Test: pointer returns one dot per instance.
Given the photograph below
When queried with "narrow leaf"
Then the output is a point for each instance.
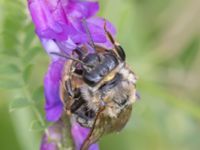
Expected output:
(10, 69)
(31, 53)
(19, 103)
(37, 126)
(27, 72)
(189, 54)
(29, 35)
(38, 94)
(10, 84)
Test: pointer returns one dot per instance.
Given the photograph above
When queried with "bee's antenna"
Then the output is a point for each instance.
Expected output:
(108, 33)
(118, 49)
(68, 57)
(88, 33)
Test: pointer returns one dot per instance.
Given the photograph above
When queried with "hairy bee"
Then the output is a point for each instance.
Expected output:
(98, 90)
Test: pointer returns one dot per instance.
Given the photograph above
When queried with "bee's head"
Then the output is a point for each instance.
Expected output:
(96, 66)
(101, 65)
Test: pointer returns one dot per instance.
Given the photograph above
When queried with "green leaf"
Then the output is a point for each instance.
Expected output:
(38, 94)
(31, 53)
(157, 91)
(27, 72)
(189, 54)
(19, 103)
(37, 126)
(29, 37)
(10, 69)
(10, 84)
(12, 27)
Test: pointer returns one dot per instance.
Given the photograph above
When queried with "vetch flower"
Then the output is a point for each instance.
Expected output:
(79, 135)
(54, 19)
(61, 27)
(53, 137)
(52, 79)
(62, 19)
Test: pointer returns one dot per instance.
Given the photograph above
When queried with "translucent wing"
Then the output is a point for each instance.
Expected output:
(105, 124)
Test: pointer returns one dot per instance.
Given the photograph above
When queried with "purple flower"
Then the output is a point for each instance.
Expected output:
(52, 138)
(62, 19)
(79, 135)
(61, 27)
(56, 19)
(52, 79)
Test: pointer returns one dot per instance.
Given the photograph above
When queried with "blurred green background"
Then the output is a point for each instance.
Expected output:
(162, 42)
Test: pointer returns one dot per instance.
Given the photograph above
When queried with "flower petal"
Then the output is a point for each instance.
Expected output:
(57, 47)
(77, 9)
(80, 134)
(44, 20)
(100, 22)
(54, 136)
(53, 18)
(51, 139)
(50, 46)
(53, 105)
(96, 26)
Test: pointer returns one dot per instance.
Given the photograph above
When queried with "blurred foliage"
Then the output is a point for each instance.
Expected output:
(162, 42)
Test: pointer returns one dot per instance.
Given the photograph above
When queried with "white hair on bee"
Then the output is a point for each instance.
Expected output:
(92, 101)
(128, 75)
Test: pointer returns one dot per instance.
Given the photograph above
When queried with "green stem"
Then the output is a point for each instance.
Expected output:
(67, 140)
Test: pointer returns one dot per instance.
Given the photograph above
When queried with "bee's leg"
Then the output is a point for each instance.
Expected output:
(69, 88)
(89, 113)
(78, 72)
(119, 50)
(68, 96)
(81, 115)
(79, 52)
(76, 105)
(85, 113)
(78, 101)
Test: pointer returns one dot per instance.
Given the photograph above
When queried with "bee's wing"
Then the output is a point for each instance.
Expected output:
(105, 124)
(97, 130)
(119, 122)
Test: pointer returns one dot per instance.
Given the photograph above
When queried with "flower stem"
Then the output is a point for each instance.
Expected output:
(67, 140)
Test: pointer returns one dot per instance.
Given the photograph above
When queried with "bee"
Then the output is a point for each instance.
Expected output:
(98, 89)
